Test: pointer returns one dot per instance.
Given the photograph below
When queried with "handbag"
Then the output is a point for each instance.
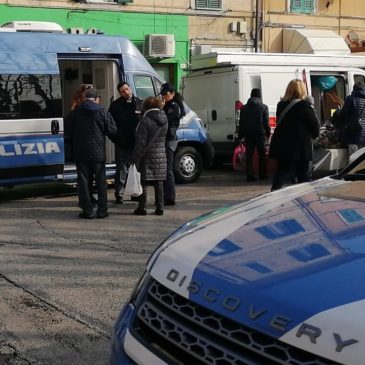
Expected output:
(133, 186)
(239, 157)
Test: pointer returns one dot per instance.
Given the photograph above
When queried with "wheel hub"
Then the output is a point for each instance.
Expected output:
(187, 165)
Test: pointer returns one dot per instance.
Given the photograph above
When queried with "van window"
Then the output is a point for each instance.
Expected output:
(30, 96)
(359, 78)
(144, 86)
(329, 93)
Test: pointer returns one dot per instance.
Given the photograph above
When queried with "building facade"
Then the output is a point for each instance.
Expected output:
(196, 26)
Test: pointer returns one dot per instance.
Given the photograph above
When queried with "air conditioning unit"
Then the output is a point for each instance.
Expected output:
(159, 45)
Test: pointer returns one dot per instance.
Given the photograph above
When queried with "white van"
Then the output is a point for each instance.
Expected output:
(220, 83)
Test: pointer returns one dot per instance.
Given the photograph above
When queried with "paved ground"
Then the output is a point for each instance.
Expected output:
(63, 280)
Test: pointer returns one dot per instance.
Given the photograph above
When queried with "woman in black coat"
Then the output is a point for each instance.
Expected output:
(149, 154)
(291, 143)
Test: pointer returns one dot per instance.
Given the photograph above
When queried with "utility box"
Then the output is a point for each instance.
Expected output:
(242, 27)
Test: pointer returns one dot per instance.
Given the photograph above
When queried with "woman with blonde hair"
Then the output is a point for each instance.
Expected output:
(291, 143)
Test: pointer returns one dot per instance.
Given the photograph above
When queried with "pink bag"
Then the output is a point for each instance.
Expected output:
(239, 158)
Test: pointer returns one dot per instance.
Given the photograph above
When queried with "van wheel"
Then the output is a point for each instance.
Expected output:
(187, 165)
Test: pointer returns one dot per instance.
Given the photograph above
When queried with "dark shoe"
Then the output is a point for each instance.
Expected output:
(140, 211)
(251, 179)
(86, 215)
(118, 200)
(169, 202)
(102, 215)
(159, 211)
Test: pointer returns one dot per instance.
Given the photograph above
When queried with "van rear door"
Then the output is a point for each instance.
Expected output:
(31, 124)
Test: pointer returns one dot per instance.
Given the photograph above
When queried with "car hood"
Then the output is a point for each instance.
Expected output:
(289, 264)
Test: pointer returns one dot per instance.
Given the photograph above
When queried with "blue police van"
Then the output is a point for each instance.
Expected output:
(40, 73)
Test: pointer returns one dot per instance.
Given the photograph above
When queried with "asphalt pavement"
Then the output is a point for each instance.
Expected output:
(63, 279)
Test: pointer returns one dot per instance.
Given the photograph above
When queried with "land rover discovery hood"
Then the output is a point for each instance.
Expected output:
(290, 264)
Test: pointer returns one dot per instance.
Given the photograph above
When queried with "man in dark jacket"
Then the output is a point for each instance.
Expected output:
(90, 123)
(126, 112)
(351, 116)
(254, 128)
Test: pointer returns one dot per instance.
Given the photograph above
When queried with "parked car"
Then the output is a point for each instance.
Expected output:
(278, 279)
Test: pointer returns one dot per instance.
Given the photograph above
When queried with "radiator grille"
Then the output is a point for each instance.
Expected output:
(183, 332)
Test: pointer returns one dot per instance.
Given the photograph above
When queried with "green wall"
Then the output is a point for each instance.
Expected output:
(132, 25)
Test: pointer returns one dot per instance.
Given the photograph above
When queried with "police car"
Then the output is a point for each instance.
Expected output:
(278, 279)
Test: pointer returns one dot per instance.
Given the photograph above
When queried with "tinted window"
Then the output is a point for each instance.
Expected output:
(30, 96)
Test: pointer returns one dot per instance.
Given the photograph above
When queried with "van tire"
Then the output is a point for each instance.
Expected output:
(187, 165)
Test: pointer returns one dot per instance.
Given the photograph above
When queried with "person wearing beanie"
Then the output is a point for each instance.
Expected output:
(255, 130)
(90, 123)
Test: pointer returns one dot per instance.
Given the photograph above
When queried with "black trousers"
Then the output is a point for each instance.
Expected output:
(158, 186)
(252, 143)
(86, 173)
(169, 183)
(286, 169)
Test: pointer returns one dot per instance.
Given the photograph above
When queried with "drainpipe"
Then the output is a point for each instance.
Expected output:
(257, 26)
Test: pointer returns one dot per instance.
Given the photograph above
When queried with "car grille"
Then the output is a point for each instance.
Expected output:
(182, 332)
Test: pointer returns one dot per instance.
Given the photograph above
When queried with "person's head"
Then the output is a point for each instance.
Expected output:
(295, 90)
(151, 102)
(256, 93)
(124, 90)
(79, 96)
(92, 95)
(167, 91)
(358, 86)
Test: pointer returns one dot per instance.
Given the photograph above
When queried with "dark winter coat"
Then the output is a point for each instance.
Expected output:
(353, 111)
(89, 124)
(254, 119)
(126, 114)
(292, 138)
(151, 163)
(174, 114)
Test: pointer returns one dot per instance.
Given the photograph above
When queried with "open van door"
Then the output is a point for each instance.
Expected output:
(31, 124)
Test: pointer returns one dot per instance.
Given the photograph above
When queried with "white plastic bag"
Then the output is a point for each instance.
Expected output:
(133, 186)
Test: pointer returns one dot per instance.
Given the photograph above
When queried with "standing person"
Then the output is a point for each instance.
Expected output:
(291, 142)
(254, 128)
(174, 109)
(90, 123)
(126, 112)
(149, 153)
(352, 119)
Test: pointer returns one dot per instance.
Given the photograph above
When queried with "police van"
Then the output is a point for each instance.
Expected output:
(219, 83)
(40, 73)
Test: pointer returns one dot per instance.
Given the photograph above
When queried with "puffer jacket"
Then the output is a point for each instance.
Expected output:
(151, 162)
(89, 124)
(352, 111)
